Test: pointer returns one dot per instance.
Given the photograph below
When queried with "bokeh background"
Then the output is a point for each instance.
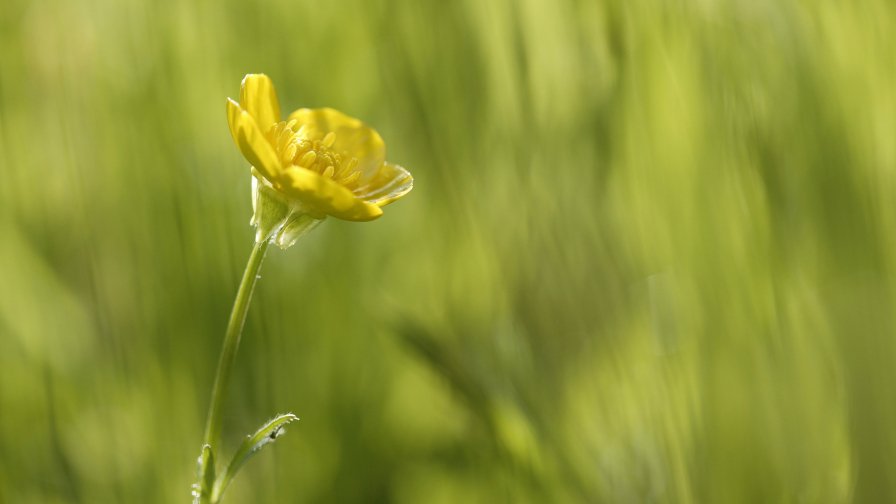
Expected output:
(650, 255)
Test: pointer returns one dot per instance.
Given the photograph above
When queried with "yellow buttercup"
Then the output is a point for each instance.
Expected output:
(320, 162)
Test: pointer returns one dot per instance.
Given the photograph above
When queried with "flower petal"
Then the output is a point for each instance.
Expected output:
(252, 143)
(352, 136)
(259, 98)
(233, 118)
(326, 196)
(387, 185)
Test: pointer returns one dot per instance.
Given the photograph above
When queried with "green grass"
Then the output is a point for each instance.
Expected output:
(650, 255)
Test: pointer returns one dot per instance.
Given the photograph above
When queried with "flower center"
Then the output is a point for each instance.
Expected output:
(295, 148)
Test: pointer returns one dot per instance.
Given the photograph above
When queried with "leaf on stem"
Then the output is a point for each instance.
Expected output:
(268, 433)
(202, 489)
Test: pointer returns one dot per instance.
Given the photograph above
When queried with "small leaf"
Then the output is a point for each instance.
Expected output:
(202, 489)
(268, 433)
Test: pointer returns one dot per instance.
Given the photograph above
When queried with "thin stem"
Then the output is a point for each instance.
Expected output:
(231, 344)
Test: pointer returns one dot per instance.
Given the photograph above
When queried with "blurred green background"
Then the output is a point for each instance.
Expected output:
(650, 256)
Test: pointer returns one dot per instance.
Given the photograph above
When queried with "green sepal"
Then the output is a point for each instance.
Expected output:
(270, 211)
(277, 218)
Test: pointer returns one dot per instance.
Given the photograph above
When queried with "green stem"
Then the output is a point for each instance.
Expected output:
(231, 344)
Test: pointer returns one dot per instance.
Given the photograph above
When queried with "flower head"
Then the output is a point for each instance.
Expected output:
(318, 162)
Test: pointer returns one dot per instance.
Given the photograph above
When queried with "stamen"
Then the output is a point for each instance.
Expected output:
(308, 159)
(290, 153)
(283, 135)
(353, 177)
(349, 167)
(295, 147)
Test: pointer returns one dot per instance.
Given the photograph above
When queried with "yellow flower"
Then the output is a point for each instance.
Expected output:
(319, 162)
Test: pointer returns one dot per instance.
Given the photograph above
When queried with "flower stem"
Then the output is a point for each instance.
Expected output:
(231, 344)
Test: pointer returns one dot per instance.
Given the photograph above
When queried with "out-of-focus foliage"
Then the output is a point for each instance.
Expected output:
(650, 256)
